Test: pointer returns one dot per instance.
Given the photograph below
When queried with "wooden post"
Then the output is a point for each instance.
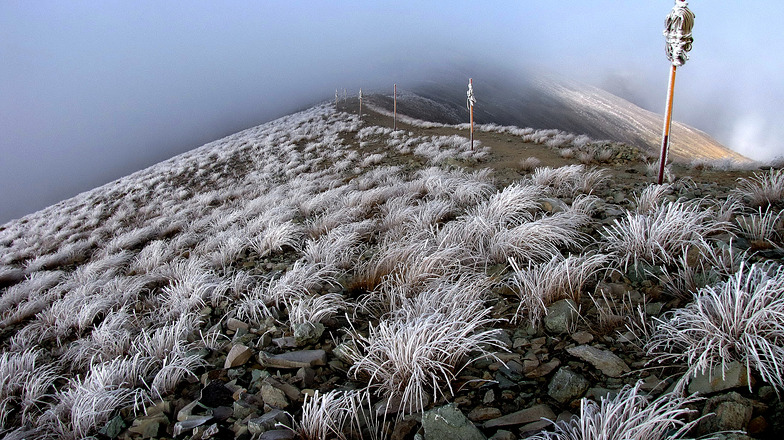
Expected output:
(471, 83)
(667, 125)
(394, 124)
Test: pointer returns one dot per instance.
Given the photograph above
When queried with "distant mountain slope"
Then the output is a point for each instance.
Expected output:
(544, 103)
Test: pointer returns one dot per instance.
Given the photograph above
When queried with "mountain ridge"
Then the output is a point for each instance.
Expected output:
(542, 102)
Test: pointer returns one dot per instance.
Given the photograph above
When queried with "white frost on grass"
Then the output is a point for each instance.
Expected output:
(740, 319)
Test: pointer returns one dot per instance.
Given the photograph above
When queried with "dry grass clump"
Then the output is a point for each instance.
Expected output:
(629, 415)
(661, 235)
(338, 414)
(651, 197)
(699, 268)
(762, 189)
(528, 164)
(570, 180)
(741, 319)
(415, 352)
(537, 240)
(761, 228)
(540, 285)
(24, 382)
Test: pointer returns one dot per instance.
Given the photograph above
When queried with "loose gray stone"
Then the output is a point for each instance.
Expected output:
(148, 427)
(285, 342)
(528, 415)
(267, 421)
(278, 434)
(238, 355)
(731, 412)
(543, 369)
(448, 423)
(342, 352)
(735, 376)
(242, 409)
(294, 359)
(560, 316)
(307, 333)
(273, 397)
(113, 427)
(533, 427)
(582, 337)
(567, 385)
(190, 423)
(482, 414)
(503, 435)
(605, 360)
(235, 324)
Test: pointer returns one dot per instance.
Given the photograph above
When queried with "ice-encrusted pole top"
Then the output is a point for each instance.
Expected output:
(470, 100)
(677, 31)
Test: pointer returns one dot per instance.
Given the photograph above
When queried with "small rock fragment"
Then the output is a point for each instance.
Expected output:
(238, 355)
(447, 422)
(567, 385)
(560, 316)
(482, 414)
(606, 361)
(190, 423)
(294, 359)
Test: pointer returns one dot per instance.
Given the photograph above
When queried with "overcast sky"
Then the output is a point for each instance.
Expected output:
(94, 90)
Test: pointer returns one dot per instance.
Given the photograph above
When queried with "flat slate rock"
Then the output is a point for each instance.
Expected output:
(294, 359)
(533, 414)
(605, 360)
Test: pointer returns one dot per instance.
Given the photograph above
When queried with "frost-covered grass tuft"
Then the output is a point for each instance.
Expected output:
(540, 285)
(313, 309)
(661, 235)
(741, 319)
(528, 164)
(762, 189)
(629, 415)
(411, 355)
(569, 180)
(762, 228)
(24, 382)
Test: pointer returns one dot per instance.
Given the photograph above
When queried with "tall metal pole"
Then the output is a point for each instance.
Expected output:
(394, 125)
(667, 125)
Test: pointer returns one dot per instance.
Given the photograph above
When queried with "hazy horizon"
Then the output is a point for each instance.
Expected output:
(93, 91)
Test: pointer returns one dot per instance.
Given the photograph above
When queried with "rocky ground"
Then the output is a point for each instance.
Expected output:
(256, 376)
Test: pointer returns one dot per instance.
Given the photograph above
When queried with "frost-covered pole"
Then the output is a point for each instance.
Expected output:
(360, 103)
(336, 99)
(470, 101)
(394, 110)
(677, 32)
